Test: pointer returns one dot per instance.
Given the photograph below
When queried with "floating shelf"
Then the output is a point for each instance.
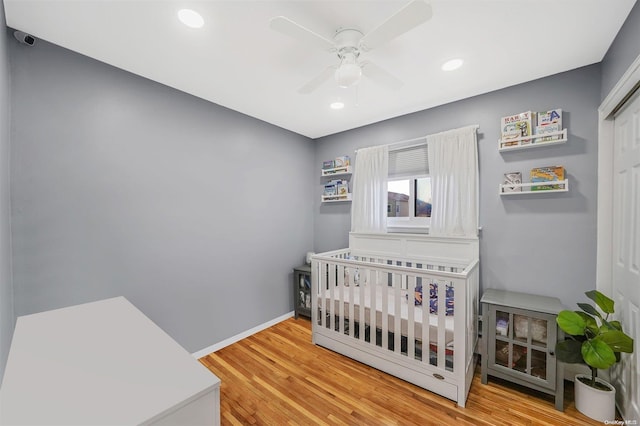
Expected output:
(337, 171)
(518, 142)
(527, 188)
(336, 198)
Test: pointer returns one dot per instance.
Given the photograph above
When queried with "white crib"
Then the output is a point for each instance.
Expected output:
(406, 304)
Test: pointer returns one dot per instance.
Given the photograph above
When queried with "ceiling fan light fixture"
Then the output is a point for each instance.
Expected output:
(190, 18)
(348, 74)
(452, 64)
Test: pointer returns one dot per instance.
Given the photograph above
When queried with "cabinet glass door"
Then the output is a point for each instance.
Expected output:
(522, 343)
(304, 289)
(302, 292)
(538, 364)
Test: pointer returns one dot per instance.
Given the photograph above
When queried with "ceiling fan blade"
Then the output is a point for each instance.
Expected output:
(410, 16)
(287, 27)
(318, 80)
(380, 76)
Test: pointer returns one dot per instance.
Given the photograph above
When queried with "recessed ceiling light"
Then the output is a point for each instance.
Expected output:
(337, 105)
(190, 18)
(453, 64)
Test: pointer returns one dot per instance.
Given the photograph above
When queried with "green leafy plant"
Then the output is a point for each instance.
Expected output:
(592, 339)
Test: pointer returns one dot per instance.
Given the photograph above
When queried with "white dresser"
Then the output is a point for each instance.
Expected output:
(103, 363)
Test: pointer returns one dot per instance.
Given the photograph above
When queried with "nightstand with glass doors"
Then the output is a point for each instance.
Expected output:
(520, 333)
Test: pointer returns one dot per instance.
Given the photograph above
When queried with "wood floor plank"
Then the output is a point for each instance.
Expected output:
(279, 377)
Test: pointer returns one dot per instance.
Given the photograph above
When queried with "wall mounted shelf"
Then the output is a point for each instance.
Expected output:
(336, 198)
(527, 188)
(536, 141)
(337, 171)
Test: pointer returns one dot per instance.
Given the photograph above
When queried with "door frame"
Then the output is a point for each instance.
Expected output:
(606, 137)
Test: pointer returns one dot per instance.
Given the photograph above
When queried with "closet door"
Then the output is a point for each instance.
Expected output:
(626, 250)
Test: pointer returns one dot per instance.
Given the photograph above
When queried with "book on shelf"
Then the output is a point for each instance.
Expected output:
(547, 174)
(342, 161)
(549, 128)
(330, 190)
(328, 164)
(342, 188)
(549, 122)
(553, 116)
(517, 126)
(512, 182)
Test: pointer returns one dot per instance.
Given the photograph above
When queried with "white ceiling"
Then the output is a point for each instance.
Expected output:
(237, 61)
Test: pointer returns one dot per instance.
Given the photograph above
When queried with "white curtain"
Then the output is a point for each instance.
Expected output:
(369, 199)
(453, 167)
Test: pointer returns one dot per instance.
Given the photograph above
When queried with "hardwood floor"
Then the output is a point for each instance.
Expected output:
(278, 377)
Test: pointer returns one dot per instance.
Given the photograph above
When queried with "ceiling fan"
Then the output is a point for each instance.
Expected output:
(349, 44)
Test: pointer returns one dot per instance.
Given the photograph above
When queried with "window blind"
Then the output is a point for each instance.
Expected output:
(410, 161)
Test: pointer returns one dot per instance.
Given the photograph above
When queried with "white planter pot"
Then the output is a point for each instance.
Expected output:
(597, 404)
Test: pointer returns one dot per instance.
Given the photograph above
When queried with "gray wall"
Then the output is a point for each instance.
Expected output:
(6, 290)
(622, 52)
(123, 186)
(543, 244)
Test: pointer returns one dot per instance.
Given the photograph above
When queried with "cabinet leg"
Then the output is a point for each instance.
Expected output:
(560, 386)
(484, 347)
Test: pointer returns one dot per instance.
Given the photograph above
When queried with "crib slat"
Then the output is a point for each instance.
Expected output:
(442, 312)
(322, 290)
(424, 311)
(373, 285)
(384, 320)
(332, 298)
(340, 313)
(362, 303)
(352, 284)
(314, 290)
(398, 284)
(411, 296)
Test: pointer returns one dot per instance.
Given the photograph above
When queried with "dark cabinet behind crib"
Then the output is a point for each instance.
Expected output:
(302, 291)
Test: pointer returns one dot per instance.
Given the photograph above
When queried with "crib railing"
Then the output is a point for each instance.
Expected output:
(415, 310)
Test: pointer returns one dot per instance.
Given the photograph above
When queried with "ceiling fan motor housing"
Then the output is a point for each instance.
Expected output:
(347, 38)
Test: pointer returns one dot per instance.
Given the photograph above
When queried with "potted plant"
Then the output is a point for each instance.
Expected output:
(597, 342)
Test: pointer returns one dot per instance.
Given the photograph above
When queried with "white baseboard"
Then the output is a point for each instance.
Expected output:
(238, 337)
(570, 371)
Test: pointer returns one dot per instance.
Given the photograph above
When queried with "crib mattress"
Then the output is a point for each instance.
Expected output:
(362, 297)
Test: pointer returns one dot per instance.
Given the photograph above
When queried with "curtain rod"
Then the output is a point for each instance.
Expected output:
(475, 127)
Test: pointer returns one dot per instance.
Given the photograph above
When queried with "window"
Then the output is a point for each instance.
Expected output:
(398, 194)
(408, 189)
(409, 202)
